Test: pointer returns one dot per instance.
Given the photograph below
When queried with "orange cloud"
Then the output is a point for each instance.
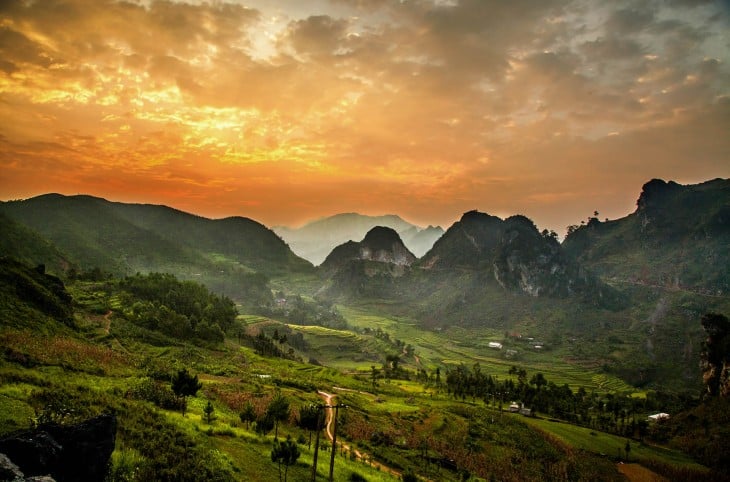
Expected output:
(281, 112)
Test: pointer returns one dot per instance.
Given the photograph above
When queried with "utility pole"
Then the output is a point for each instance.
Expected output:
(320, 412)
(334, 441)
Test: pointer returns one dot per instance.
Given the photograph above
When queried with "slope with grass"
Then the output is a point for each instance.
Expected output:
(105, 361)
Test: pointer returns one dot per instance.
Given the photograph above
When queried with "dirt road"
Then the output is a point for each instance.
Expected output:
(329, 400)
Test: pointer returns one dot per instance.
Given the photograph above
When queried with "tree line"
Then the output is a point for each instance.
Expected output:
(181, 309)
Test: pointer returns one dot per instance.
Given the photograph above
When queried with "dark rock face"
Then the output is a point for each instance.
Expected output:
(532, 264)
(715, 355)
(8, 470)
(68, 453)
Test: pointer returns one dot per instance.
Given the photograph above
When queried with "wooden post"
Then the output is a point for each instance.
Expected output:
(334, 444)
(316, 445)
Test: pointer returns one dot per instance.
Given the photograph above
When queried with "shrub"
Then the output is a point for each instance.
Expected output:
(156, 392)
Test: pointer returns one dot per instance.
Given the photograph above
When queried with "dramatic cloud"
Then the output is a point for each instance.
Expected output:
(284, 110)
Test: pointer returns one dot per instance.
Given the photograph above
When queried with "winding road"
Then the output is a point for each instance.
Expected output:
(329, 400)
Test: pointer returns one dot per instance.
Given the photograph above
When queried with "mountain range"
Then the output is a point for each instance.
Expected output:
(315, 240)
(229, 255)
(631, 289)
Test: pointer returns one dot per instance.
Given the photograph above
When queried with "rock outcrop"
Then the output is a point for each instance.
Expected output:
(65, 453)
(519, 257)
(715, 356)
(380, 244)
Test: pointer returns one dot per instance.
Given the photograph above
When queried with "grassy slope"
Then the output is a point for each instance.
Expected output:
(106, 357)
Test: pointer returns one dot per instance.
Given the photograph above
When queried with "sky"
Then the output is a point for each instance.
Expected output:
(285, 111)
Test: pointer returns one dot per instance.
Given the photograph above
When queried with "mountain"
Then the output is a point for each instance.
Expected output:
(315, 240)
(510, 252)
(29, 297)
(366, 268)
(678, 237)
(28, 246)
(126, 238)
(380, 244)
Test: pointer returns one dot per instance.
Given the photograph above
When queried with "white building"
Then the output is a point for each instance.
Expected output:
(658, 416)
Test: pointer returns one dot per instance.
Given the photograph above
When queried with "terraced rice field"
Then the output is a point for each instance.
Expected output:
(438, 349)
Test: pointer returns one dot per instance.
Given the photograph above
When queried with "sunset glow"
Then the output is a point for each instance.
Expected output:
(289, 110)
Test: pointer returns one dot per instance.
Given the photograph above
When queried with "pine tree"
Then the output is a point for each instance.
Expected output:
(286, 452)
(278, 410)
(208, 410)
(184, 384)
(248, 414)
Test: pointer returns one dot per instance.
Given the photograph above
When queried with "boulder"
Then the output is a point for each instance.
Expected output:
(65, 452)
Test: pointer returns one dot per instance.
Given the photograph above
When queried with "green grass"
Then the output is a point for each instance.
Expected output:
(607, 444)
(103, 368)
(469, 346)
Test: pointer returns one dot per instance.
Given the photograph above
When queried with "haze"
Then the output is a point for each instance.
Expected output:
(284, 111)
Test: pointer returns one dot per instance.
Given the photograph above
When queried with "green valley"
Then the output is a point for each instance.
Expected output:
(500, 354)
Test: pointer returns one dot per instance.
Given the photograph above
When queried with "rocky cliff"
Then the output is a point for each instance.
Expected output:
(380, 245)
(64, 453)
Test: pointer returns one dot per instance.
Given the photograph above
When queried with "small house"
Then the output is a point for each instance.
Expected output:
(658, 416)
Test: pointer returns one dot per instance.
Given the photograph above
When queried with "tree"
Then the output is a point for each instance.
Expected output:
(264, 424)
(538, 380)
(374, 372)
(278, 410)
(208, 410)
(184, 384)
(310, 419)
(248, 414)
(286, 452)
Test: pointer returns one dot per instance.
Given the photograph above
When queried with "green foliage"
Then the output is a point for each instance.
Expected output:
(29, 247)
(264, 424)
(156, 392)
(278, 410)
(169, 454)
(208, 411)
(126, 238)
(248, 413)
(703, 432)
(299, 311)
(184, 384)
(26, 293)
(286, 452)
(676, 238)
(57, 406)
(182, 309)
(125, 465)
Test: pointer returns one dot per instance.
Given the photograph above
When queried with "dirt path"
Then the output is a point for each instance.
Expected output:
(328, 401)
(361, 456)
(107, 322)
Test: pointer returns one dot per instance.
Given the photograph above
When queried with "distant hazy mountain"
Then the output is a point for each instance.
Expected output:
(126, 238)
(315, 240)
(678, 238)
